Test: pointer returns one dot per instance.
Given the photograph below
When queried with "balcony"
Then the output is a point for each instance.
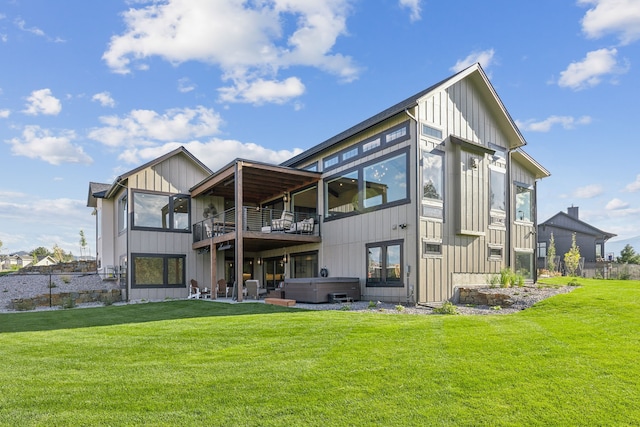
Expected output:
(261, 229)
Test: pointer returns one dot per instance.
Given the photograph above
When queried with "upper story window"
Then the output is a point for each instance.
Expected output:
(394, 135)
(123, 213)
(524, 202)
(379, 183)
(498, 189)
(161, 211)
(370, 145)
(431, 131)
(398, 133)
(432, 183)
(313, 167)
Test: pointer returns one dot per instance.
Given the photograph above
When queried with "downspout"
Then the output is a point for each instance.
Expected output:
(412, 290)
(535, 232)
(510, 209)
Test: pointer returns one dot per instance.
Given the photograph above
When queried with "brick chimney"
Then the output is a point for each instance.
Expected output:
(573, 212)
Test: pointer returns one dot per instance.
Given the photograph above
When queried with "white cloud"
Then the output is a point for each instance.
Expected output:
(185, 85)
(588, 191)
(104, 98)
(590, 71)
(38, 143)
(621, 17)
(250, 41)
(414, 7)
(616, 205)
(215, 153)
(485, 58)
(64, 216)
(143, 127)
(42, 102)
(22, 25)
(4, 114)
(567, 122)
(262, 91)
(634, 186)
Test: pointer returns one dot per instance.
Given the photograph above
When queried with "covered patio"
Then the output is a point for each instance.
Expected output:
(250, 185)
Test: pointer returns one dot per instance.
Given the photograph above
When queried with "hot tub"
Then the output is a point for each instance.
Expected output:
(317, 289)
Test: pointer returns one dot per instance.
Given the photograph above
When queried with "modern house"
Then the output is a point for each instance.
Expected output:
(563, 226)
(433, 193)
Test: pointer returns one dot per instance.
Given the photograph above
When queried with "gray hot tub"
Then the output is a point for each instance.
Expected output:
(317, 289)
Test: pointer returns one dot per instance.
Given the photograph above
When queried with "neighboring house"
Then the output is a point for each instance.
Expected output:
(17, 260)
(48, 260)
(563, 226)
(433, 193)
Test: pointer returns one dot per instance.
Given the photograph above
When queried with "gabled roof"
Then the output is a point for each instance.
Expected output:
(105, 191)
(530, 164)
(566, 218)
(475, 72)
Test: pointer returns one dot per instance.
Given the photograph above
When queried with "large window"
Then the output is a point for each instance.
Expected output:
(160, 211)
(342, 194)
(158, 271)
(497, 187)
(524, 264)
(384, 264)
(385, 181)
(123, 214)
(524, 203)
(376, 184)
(432, 183)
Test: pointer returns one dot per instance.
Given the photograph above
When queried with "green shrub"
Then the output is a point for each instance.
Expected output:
(447, 308)
(24, 305)
(345, 307)
(399, 307)
(372, 304)
(68, 302)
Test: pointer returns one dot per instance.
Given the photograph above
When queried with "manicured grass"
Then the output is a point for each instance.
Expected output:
(569, 360)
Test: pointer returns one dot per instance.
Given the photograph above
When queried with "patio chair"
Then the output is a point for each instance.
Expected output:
(222, 290)
(302, 227)
(254, 290)
(283, 223)
(194, 290)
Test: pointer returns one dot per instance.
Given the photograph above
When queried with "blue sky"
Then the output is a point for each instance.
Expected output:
(89, 90)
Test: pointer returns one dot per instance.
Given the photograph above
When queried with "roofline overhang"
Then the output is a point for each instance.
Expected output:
(530, 164)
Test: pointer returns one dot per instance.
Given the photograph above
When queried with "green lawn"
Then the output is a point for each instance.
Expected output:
(570, 360)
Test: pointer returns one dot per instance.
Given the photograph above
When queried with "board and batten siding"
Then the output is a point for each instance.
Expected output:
(465, 231)
(523, 234)
(344, 240)
(175, 175)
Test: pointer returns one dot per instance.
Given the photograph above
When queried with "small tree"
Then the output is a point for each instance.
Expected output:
(628, 256)
(83, 244)
(551, 254)
(58, 253)
(572, 257)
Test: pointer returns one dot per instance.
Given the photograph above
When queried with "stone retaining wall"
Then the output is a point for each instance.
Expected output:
(479, 297)
(65, 267)
(67, 299)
